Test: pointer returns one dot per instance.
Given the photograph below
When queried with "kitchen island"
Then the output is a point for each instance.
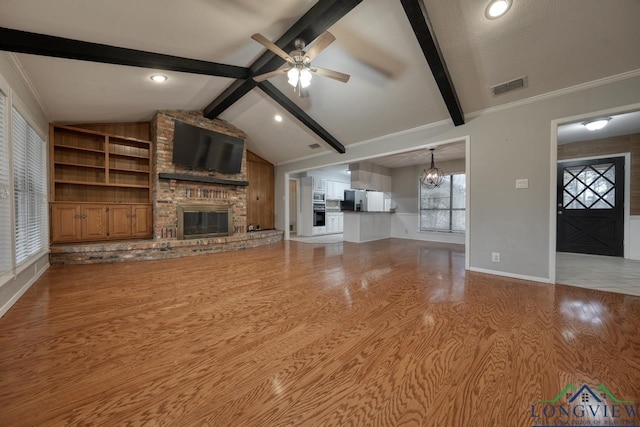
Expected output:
(362, 227)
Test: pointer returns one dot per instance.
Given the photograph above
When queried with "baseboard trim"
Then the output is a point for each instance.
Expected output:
(22, 290)
(511, 275)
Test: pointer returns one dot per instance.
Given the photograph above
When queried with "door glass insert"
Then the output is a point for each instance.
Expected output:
(589, 187)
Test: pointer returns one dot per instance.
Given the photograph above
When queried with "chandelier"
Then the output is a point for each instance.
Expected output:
(432, 177)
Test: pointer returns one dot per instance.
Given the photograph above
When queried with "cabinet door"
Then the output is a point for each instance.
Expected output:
(119, 221)
(66, 223)
(142, 217)
(341, 189)
(94, 222)
(340, 223)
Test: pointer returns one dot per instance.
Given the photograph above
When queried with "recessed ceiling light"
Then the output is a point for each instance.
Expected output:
(278, 118)
(159, 78)
(596, 123)
(497, 8)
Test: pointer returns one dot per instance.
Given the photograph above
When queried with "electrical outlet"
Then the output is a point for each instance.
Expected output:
(495, 256)
(522, 183)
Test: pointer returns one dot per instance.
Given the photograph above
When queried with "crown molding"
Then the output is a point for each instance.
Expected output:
(17, 65)
(556, 93)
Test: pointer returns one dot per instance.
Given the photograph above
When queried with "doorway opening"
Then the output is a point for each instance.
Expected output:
(595, 238)
(293, 206)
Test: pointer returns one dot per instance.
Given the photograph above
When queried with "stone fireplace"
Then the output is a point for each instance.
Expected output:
(204, 221)
(203, 187)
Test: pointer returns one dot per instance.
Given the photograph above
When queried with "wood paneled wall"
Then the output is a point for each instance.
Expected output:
(261, 192)
(613, 145)
(138, 130)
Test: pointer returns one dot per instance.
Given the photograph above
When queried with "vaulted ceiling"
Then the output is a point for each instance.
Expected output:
(557, 44)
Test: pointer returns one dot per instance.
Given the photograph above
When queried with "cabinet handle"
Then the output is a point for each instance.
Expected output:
(77, 216)
(84, 216)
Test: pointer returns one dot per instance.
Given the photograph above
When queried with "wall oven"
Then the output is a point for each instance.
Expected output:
(318, 215)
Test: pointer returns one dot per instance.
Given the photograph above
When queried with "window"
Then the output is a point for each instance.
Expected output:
(30, 188)
(443, 208)
(5, 191)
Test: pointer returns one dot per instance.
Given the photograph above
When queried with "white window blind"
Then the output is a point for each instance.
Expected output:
(5, 191)
(30, 188)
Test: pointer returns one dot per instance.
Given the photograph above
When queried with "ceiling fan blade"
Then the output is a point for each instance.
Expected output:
(271, 46)
(341, 77)
(320, 44)
(265, 76)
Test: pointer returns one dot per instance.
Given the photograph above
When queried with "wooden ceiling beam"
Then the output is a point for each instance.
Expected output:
(297, 112)
(317, 20)
(419, 20)
(59, 47)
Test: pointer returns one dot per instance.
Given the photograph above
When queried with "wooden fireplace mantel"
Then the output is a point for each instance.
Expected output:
(205, 179)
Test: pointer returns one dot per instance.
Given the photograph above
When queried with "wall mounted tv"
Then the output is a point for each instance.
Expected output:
(200, 148)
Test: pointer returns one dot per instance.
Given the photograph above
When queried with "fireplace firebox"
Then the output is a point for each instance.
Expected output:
(201, 221)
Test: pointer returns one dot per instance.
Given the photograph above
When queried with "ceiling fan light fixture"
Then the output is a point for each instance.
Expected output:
(293, 74)
(596, 124)
(497, 8)
(305, 78)
(432, 177)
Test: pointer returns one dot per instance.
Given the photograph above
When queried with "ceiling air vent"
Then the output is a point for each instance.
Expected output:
(518, 83)
(314, 146)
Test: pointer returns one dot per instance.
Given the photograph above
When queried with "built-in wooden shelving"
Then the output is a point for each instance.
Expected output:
(88, 166)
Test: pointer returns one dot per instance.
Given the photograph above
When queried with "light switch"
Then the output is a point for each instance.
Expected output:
(522, 183)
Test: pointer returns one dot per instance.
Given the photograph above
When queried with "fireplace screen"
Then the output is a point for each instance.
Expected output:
(197, 221)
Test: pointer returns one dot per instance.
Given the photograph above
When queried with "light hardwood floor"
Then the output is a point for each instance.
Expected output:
(387, 333)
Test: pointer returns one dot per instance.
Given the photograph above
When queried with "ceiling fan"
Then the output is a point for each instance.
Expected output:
(298, 68)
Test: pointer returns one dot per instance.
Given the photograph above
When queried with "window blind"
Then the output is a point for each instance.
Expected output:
(5, 191)
(29, 185)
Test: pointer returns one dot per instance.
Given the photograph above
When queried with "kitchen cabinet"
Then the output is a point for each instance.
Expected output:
(334, 222)
(335, 190)
(320, 185)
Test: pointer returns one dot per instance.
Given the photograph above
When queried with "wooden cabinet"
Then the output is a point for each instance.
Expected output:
(71, 222)
(260, 192)
(92, 222)
(142, 223)
(130, 221)
(93, 172)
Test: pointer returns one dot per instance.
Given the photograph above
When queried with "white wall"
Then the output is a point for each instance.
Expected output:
(14, 285)
(506, 143)
(634, 250)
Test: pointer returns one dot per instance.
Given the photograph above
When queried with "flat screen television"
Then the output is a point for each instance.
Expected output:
(200, 148)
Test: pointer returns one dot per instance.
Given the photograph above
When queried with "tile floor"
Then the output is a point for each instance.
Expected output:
(603, 273)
